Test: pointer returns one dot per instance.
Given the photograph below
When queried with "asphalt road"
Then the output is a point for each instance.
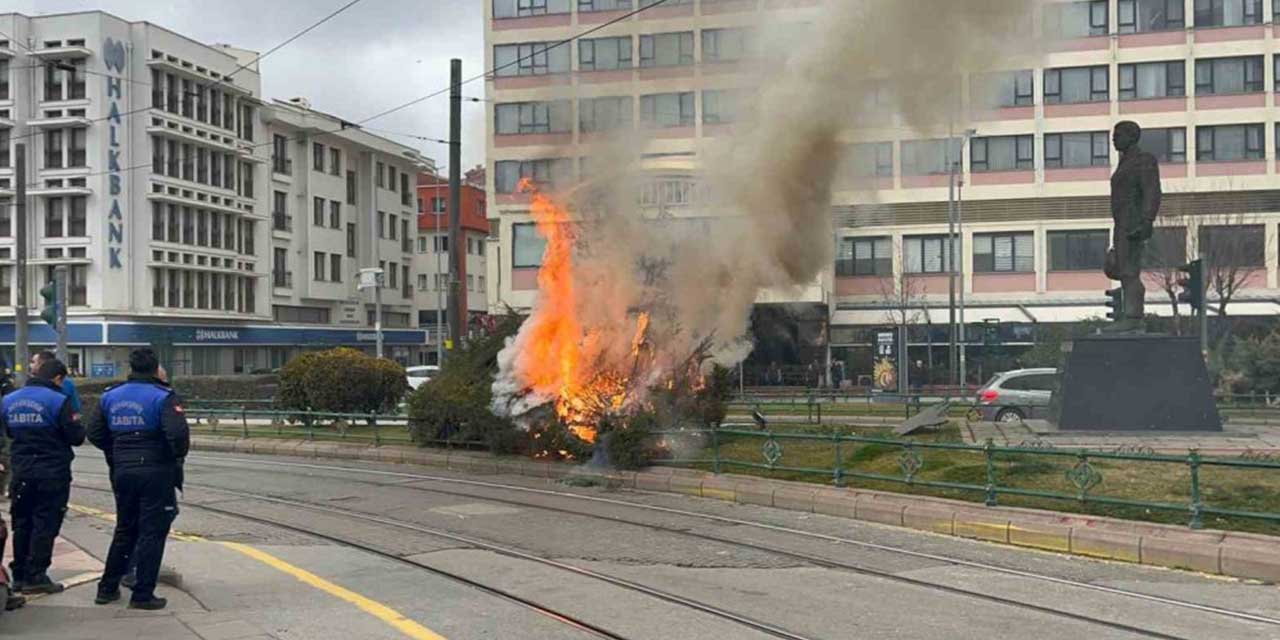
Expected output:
(617, 565)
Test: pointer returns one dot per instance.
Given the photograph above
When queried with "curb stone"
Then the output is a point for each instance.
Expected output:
(1228, 553)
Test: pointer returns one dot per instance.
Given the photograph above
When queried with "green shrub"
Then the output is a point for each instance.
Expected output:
(341, 380)
(632, 446)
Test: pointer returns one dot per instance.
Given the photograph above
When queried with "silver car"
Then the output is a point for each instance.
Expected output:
(1014, 396)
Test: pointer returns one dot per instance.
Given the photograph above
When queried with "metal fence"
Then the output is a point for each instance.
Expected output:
(1081, 479)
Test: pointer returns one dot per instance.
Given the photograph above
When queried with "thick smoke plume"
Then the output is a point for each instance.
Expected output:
(763, 217)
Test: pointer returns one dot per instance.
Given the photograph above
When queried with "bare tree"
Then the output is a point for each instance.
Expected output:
(1165, 253)
(1233, 251)
(902, 296)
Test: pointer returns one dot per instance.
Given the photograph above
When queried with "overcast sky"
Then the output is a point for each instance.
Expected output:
(376, 55)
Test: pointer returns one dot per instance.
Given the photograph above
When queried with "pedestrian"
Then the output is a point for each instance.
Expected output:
(68, 387)
(140, 425)
(43, 427)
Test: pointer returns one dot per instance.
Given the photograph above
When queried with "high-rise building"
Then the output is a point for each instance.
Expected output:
(1033, 173)
(165, 182)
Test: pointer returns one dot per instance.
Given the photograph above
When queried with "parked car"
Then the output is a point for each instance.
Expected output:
(1014, 396)
(420, 374)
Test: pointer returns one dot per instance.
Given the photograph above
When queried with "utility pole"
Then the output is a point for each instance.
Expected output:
(968, 134)
(952, 356)
(21, 349)
(375, 252)
(1203, 311)
(442, 312)
(60, 325)
(456, 254)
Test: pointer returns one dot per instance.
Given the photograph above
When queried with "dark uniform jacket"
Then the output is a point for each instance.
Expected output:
(1135, 193)
(43, 427)
(140, 423)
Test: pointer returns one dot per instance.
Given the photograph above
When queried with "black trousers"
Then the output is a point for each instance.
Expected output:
(146, 504)
(36, 508)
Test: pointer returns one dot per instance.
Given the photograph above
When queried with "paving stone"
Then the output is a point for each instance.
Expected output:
(878, 509)
(794, 496)
(1251, 560)
(1041, 535)
(1182, 553)
(834, 501)
(752, 491)
(720, 488)
(1103, 543)
(930, 517)
(981, 524)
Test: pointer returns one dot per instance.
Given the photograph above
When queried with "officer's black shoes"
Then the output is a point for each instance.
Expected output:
(14, 602)
(106, 597)
(154, 604)
(16, 586)
(44, 585)
(128, 581)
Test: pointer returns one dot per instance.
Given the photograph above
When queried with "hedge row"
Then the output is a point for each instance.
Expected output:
(249, 387)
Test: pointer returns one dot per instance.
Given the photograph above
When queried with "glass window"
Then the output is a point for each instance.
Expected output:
(1080, 149)
(666, 49)
(545, 173)
(926, 254)
(317, 156)
(587, 6)
(1076, 19)
(1141, 16)
(530, 59)
(604, 54)
(665, 110)
(865, 257)
(929, 157)
(351, 240)
(727, 45)
(605, 114)
(532, 117)
(54, 212)
(1153, 80)
(335, 214)
(317, 266)
(1234, 245)
(527, 246)
(1076, 85)
(1167, 145)
(1002, 153)
(871, 160)
(1225, 143)
(1228, 13)
(1004, 253)
(1003, 89)
(1229, 75)
(1078, 250)
(1167, 248)
(523, 8)
(720, 106)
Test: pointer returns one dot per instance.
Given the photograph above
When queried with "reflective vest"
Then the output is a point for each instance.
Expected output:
(133, 415)
(39, 448)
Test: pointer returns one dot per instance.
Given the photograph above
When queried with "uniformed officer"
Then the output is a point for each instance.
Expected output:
(44, 428)
(141, 427)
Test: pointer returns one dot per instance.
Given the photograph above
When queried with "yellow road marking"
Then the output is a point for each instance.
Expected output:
(386, 614)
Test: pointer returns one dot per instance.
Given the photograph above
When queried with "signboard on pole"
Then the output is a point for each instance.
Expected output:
(885, 360)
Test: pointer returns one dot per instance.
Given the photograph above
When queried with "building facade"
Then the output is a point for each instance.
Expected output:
(1201, 77)
(431, 261)
(152, 174)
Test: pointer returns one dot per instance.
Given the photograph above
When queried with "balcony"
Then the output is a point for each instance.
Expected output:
(282, 279)
(282, 165)
(63, 52)
(281, 221)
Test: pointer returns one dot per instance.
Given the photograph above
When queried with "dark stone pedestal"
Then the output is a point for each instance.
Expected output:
(1135, 382)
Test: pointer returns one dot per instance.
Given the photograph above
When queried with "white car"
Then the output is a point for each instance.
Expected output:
(420, 374)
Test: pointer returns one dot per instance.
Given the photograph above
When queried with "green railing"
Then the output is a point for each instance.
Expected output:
(1082, 474)
(374, 428)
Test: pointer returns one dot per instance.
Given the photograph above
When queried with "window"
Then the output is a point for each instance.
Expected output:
(382, 175)
(669, 191)
(666, 110)
(393, 276)
(351, 240)
(1077, 84)
(404, 278)
(604, 54)
(440, 243)
(1003, 89)
(871, 160)
(53, 149)
(406, 241)
(1228, 13)
(1141, 16)
(439, 205)
(720, 106)
(1229, 75)
(926, 254)
(300, 315)
(1153, 80)
(1225, 143)
(77, 156)
(215, 230)
(1004, 253)
(54, 76)
(587, 6)
(246, 179)
(280, 162)
(280, 217)
(1078, 250)
(1075, 150)
(4, 87)
(1234, 245)
(605, 114)
(157, 221)
(317, 211)
(1167, 248)
(523, 8)
(727, 45)
(545, 173)
(54, 212)
(423, 282)
(471, 282)
(391, 227)
(351, 187)
(1167, 145)
(865, 257)
(532, 117)
(406, 196)
(318, 263)
(382, 224)
(442, 282)
(929, 157)
(1003, 153)
(666, 49)
(335, 161)
(317, 157)
(527, 246)
(4, 148)
(279, 270)
(422, 244)
(530, 59)
(391, 177)
(335, 214)
(1076, 19)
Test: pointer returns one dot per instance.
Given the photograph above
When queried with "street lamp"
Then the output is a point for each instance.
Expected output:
(955, 231)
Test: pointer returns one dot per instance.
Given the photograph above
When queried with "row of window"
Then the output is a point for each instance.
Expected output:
(624, 52)
(191, 289)
(386, 177)
(474, 283)
(64, 148)
(1086, 18)
(77, 283)
(440, 244)
(202, 165)
(526, 8)
(195, 227)
(205, 103)
(611, 113)
(1073, 250)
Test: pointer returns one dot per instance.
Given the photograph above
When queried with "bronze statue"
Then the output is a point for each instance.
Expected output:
(1135, 202)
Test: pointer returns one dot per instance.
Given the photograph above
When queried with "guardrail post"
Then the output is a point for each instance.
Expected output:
(839, 471)
(244, 428)
(244, 417)
(989, 453)
(310, 424)
(1197, 506)
(715, 449)
(373, 421)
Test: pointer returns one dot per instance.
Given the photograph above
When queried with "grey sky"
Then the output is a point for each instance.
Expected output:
(374, 56)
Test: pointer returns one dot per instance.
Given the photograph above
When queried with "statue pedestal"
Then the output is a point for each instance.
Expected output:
(1134, 382)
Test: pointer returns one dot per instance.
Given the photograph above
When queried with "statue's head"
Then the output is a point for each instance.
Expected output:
(1126, 135)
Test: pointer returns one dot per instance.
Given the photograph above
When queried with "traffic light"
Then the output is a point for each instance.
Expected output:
(1115, 303)
(50, 311)
(1192, 284)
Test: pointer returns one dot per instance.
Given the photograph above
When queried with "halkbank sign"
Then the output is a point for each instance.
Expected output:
(116, 56)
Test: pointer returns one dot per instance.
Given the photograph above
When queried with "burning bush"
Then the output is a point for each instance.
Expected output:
(631, 446)
(341, 380)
